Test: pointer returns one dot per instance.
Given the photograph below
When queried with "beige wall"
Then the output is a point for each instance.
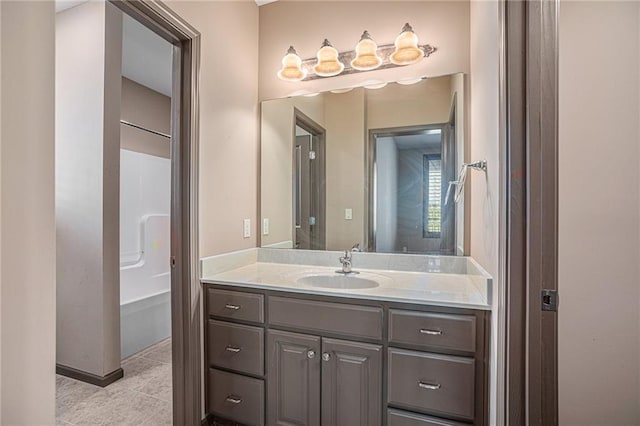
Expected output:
(344, 116)
(443, 24)
(27, 216)
(599, 207)
(149, 109)
(229, 120)
(484, 145)
(88, 84)
(427, 102)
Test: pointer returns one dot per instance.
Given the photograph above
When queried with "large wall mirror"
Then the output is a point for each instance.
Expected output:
(367, 167)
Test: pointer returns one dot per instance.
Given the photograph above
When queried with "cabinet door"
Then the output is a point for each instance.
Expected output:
(293, 375)
(351, 383)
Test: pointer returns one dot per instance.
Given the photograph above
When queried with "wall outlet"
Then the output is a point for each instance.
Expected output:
(247, 228)
(265, 226)
(348, 214)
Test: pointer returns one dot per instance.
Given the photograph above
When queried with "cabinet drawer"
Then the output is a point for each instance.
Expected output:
(235, 305)
(319, 317)
(404, 418)
(432, 383)
(236, 347)
(431, 330)
(236, 397)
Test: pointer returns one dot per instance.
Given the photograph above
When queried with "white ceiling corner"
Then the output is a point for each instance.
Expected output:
(146, 57)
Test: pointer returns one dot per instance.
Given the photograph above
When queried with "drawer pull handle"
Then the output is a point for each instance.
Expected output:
(232, 307)
(429, 386)
(233, 399)
(233, 349)
(431, 332)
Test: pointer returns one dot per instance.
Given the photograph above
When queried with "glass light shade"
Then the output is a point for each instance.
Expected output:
(375, 84)
(409, 81)
(366, 54)
(407, 51)
(339, 91)
(292, 67)
(328, 63)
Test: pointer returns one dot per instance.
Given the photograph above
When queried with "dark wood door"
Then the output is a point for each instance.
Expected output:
(351, 383)
(293, 376)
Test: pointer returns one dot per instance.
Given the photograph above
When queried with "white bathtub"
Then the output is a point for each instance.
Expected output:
(145, 289)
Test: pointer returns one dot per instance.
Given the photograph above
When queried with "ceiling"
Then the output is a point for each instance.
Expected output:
(146, 57)
(425, 140)
(419, 141)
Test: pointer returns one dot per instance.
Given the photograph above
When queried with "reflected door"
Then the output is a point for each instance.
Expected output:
(304, 218)
(309, 193)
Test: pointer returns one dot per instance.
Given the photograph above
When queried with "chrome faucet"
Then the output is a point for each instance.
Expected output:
(346, 264)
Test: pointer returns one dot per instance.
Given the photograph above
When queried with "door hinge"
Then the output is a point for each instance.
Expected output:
(549, 300)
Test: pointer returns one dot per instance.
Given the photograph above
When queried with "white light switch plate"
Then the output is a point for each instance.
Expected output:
(247, 228)
(265, 226)
(348, 214)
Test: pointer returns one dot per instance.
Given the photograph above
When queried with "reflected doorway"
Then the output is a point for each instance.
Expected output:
(408, 182)
(309, 184)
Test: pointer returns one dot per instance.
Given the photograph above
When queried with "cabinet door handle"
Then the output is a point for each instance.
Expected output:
(232, 399)
(311, 354)
(232, 307)
(233, 349)
(431, 332)
(326, 356)
(429, 386)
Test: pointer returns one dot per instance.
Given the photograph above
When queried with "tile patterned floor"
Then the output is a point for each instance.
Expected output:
(141, 397)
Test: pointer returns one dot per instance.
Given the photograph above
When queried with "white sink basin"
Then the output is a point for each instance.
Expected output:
(338, 281)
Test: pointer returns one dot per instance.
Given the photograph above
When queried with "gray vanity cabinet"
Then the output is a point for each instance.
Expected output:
(284, 359)
(340, 384)
(293, 369)
(351, 383)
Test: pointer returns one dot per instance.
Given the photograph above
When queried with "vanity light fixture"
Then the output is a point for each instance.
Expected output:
(407, 51)
(328, 63)
(367, 56)
(292, 67)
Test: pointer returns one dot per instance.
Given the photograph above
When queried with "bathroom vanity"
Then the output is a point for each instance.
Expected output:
(290, 344)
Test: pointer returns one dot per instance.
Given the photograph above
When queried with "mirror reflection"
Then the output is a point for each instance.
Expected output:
(365, 168)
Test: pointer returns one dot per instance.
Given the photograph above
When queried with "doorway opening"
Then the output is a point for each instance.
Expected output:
(411, 209)
(309, 184)
(128, 350)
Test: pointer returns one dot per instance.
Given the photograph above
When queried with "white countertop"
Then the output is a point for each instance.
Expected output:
(437, 289)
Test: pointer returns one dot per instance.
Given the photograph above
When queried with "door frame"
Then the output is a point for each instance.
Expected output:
(370, 166)
(529, 149)
(316, 131)
(185, 278)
